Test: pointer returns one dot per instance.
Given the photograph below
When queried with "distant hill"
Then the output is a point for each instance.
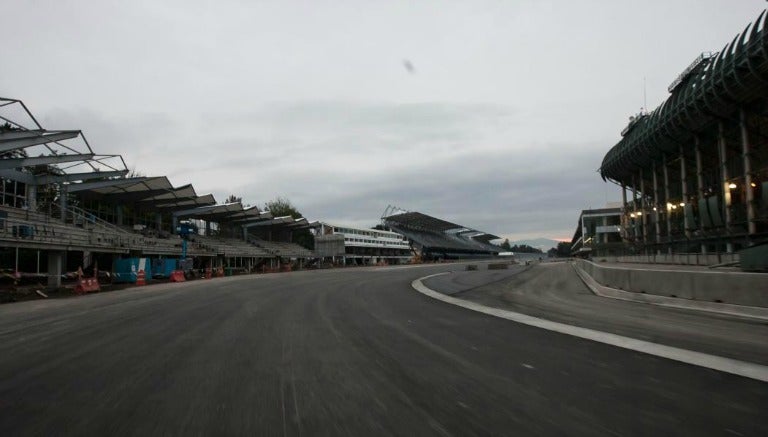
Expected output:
(540, 243)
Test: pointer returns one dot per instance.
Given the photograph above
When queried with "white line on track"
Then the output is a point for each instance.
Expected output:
(722, 364)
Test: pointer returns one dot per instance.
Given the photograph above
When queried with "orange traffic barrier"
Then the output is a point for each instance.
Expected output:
(208, 273)
(141, 278)
(177, 276)
(87, 285)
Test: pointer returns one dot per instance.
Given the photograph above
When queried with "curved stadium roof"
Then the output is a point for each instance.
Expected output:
(714, 89)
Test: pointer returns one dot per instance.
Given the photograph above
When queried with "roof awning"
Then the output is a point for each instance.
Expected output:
(277, 221)
(124, 190)
(184, 204)
(212, 213)
(12, 140)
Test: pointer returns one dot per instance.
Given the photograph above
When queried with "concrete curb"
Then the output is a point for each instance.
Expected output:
(751, 312)
(722, 364)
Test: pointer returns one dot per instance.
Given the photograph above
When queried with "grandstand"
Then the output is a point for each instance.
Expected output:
(64, 204)
(697, 166)
(434, 239)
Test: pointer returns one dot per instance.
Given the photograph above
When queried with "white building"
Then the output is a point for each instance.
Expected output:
(360, 246)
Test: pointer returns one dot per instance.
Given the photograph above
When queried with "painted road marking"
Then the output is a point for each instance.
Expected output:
(722, 364)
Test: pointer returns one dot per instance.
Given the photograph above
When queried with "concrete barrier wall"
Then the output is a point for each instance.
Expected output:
(691, 259)
(736, 288)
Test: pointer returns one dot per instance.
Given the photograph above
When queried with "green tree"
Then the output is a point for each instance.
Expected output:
(233, 199)
(505, 245)
(524, 248)
(563, 249)
(282, 207)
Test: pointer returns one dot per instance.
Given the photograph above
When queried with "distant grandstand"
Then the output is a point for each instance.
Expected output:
(434, 239)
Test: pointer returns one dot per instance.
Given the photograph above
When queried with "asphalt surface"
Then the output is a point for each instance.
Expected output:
(345, 352)
(555, 292)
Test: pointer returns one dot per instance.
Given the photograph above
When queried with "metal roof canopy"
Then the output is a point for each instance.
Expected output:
(12, 140)
(485, 238)
(175, 194)
(277, 221)
(123, 190)
(249, 213)
(50, 150)
(263, 215)
(189, 203)
(421, 221)
(299, 223)
(10, 163)
(212, 213)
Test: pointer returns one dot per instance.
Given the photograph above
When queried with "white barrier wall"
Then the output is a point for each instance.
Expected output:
(737, 288)
(691, 259)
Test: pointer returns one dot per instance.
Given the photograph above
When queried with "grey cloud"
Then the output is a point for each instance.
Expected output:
(512, 109)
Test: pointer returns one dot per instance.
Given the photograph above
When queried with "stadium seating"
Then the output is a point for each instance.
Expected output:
(282, 249)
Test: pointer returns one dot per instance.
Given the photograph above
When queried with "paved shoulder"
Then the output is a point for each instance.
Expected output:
(554, 291)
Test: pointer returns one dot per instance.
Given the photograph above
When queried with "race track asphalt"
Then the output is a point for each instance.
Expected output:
(337, 352)
(554, 291)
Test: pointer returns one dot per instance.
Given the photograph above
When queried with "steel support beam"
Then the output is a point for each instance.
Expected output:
(18, 176)
(643, 204)
(21, 143)
(624, 211)
(656, 202)
(666, 198)
(73, 177)
(724, 189)
(699, 185)
(684, 186)
(42, 160)
(17, 134)
(73, 188)
(745, 156)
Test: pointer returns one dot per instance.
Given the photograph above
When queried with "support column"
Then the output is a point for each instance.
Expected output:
(750, 198)
(684, 186)
(634, 210)
(32, 197)
(119, 214)
(63, 203)
(159, 221)
(643, 212)
(666, 197)
(656, 202)
(699, 186)
(55, 262)
(624, 211)
(724, 182)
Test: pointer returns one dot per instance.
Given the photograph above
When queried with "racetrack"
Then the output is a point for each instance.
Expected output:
(338, 352)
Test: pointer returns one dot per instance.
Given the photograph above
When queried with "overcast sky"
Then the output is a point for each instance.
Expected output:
(495, 115)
